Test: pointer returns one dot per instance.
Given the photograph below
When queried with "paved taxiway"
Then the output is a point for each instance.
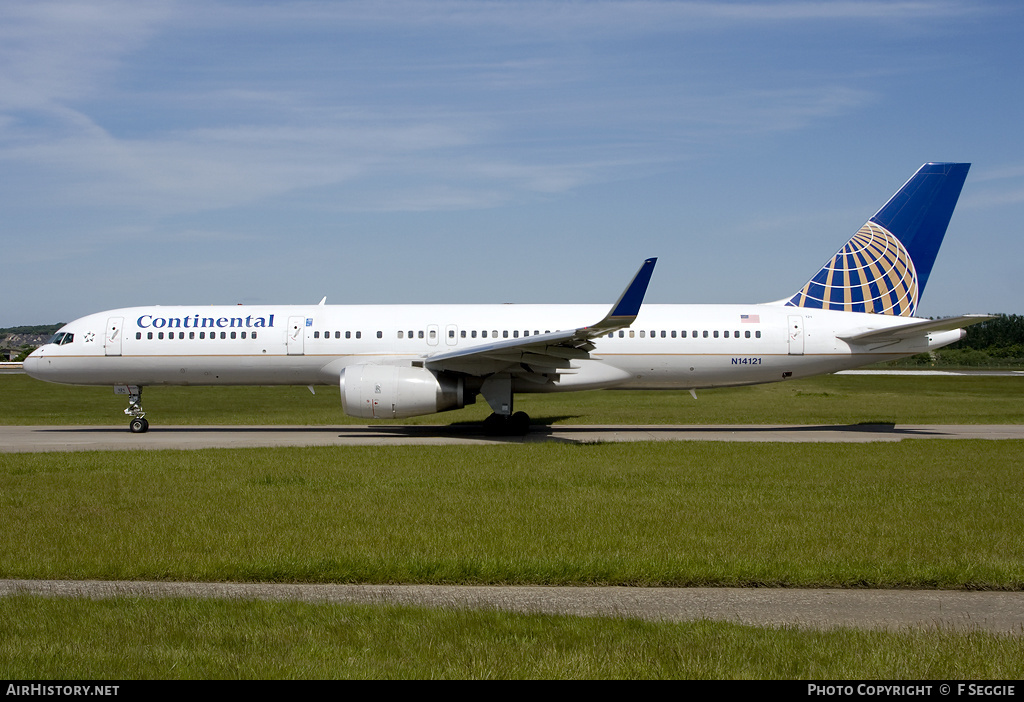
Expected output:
(96, 438)
(893, 610)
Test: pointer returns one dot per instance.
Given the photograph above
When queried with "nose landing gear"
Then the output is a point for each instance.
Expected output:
(138, 424)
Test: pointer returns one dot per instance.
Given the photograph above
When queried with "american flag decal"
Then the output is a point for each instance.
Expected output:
(756, 318)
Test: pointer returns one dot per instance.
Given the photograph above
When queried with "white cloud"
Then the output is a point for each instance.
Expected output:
(476, 128)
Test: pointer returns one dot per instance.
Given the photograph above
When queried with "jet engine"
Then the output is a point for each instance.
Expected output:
(393, 392)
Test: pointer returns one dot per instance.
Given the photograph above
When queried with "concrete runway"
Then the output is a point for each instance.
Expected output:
(891, 610)
(16, 439)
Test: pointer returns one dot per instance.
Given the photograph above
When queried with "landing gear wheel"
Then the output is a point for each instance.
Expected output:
(138, 424)
(517, 424)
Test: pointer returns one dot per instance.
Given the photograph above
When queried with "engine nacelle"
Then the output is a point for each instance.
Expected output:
(393, 392)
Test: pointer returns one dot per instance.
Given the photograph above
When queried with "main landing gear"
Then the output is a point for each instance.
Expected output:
(497, 390)
(138, 424)
(517, 424)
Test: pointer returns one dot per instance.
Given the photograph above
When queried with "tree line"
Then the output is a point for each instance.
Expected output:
(994, 342)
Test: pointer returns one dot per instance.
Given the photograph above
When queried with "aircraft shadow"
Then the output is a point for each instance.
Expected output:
(543, 429)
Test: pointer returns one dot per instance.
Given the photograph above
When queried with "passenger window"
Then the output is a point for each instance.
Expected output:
(726, 334)
(232, 335)
(253, 335)
(705, 333)
(348, 335)
(641, 333)
(716, 334)
(138, 335)
(401, 334)
(316, 335)
(223, 335)
(515, 334)
(191, 335)
(433, 333)
(149, 335)
(462, 333)
(494, 333)
(504, 334)
(621, 333)
(632, 334)
(747, 334)
(673, 333)
(757, 334)
(380, 335)
(473, 333)
(359, 335)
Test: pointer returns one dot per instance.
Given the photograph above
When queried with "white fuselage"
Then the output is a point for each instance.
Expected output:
(668, 346)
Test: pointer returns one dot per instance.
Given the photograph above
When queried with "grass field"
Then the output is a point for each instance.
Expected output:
(914, 514)
(132, 639)
(834, 399)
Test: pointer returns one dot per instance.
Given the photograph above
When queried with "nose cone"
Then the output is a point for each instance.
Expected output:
(33, 364)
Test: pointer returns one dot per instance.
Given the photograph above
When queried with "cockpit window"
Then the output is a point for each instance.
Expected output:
(56, 338)
(68, 338)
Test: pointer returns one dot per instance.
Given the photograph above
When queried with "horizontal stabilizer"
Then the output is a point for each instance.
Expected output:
(915, 329)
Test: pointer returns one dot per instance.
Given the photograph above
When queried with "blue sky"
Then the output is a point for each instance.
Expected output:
(210, 152)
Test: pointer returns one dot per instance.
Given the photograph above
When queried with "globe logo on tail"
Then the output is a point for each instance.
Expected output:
(872, 273)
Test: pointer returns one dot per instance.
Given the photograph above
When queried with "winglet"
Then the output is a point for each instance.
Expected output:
(632, 297)
(625, 310)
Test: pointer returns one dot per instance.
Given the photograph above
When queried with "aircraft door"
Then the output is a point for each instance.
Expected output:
(296, 335)
(796, 335)
(112, 339)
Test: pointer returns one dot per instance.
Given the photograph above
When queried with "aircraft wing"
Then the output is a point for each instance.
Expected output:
(915, 329)
(543, 357)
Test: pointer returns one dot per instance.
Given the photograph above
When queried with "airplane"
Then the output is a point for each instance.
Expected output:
(396, 361)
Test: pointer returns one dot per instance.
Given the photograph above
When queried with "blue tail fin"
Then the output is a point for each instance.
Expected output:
(883, 269)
